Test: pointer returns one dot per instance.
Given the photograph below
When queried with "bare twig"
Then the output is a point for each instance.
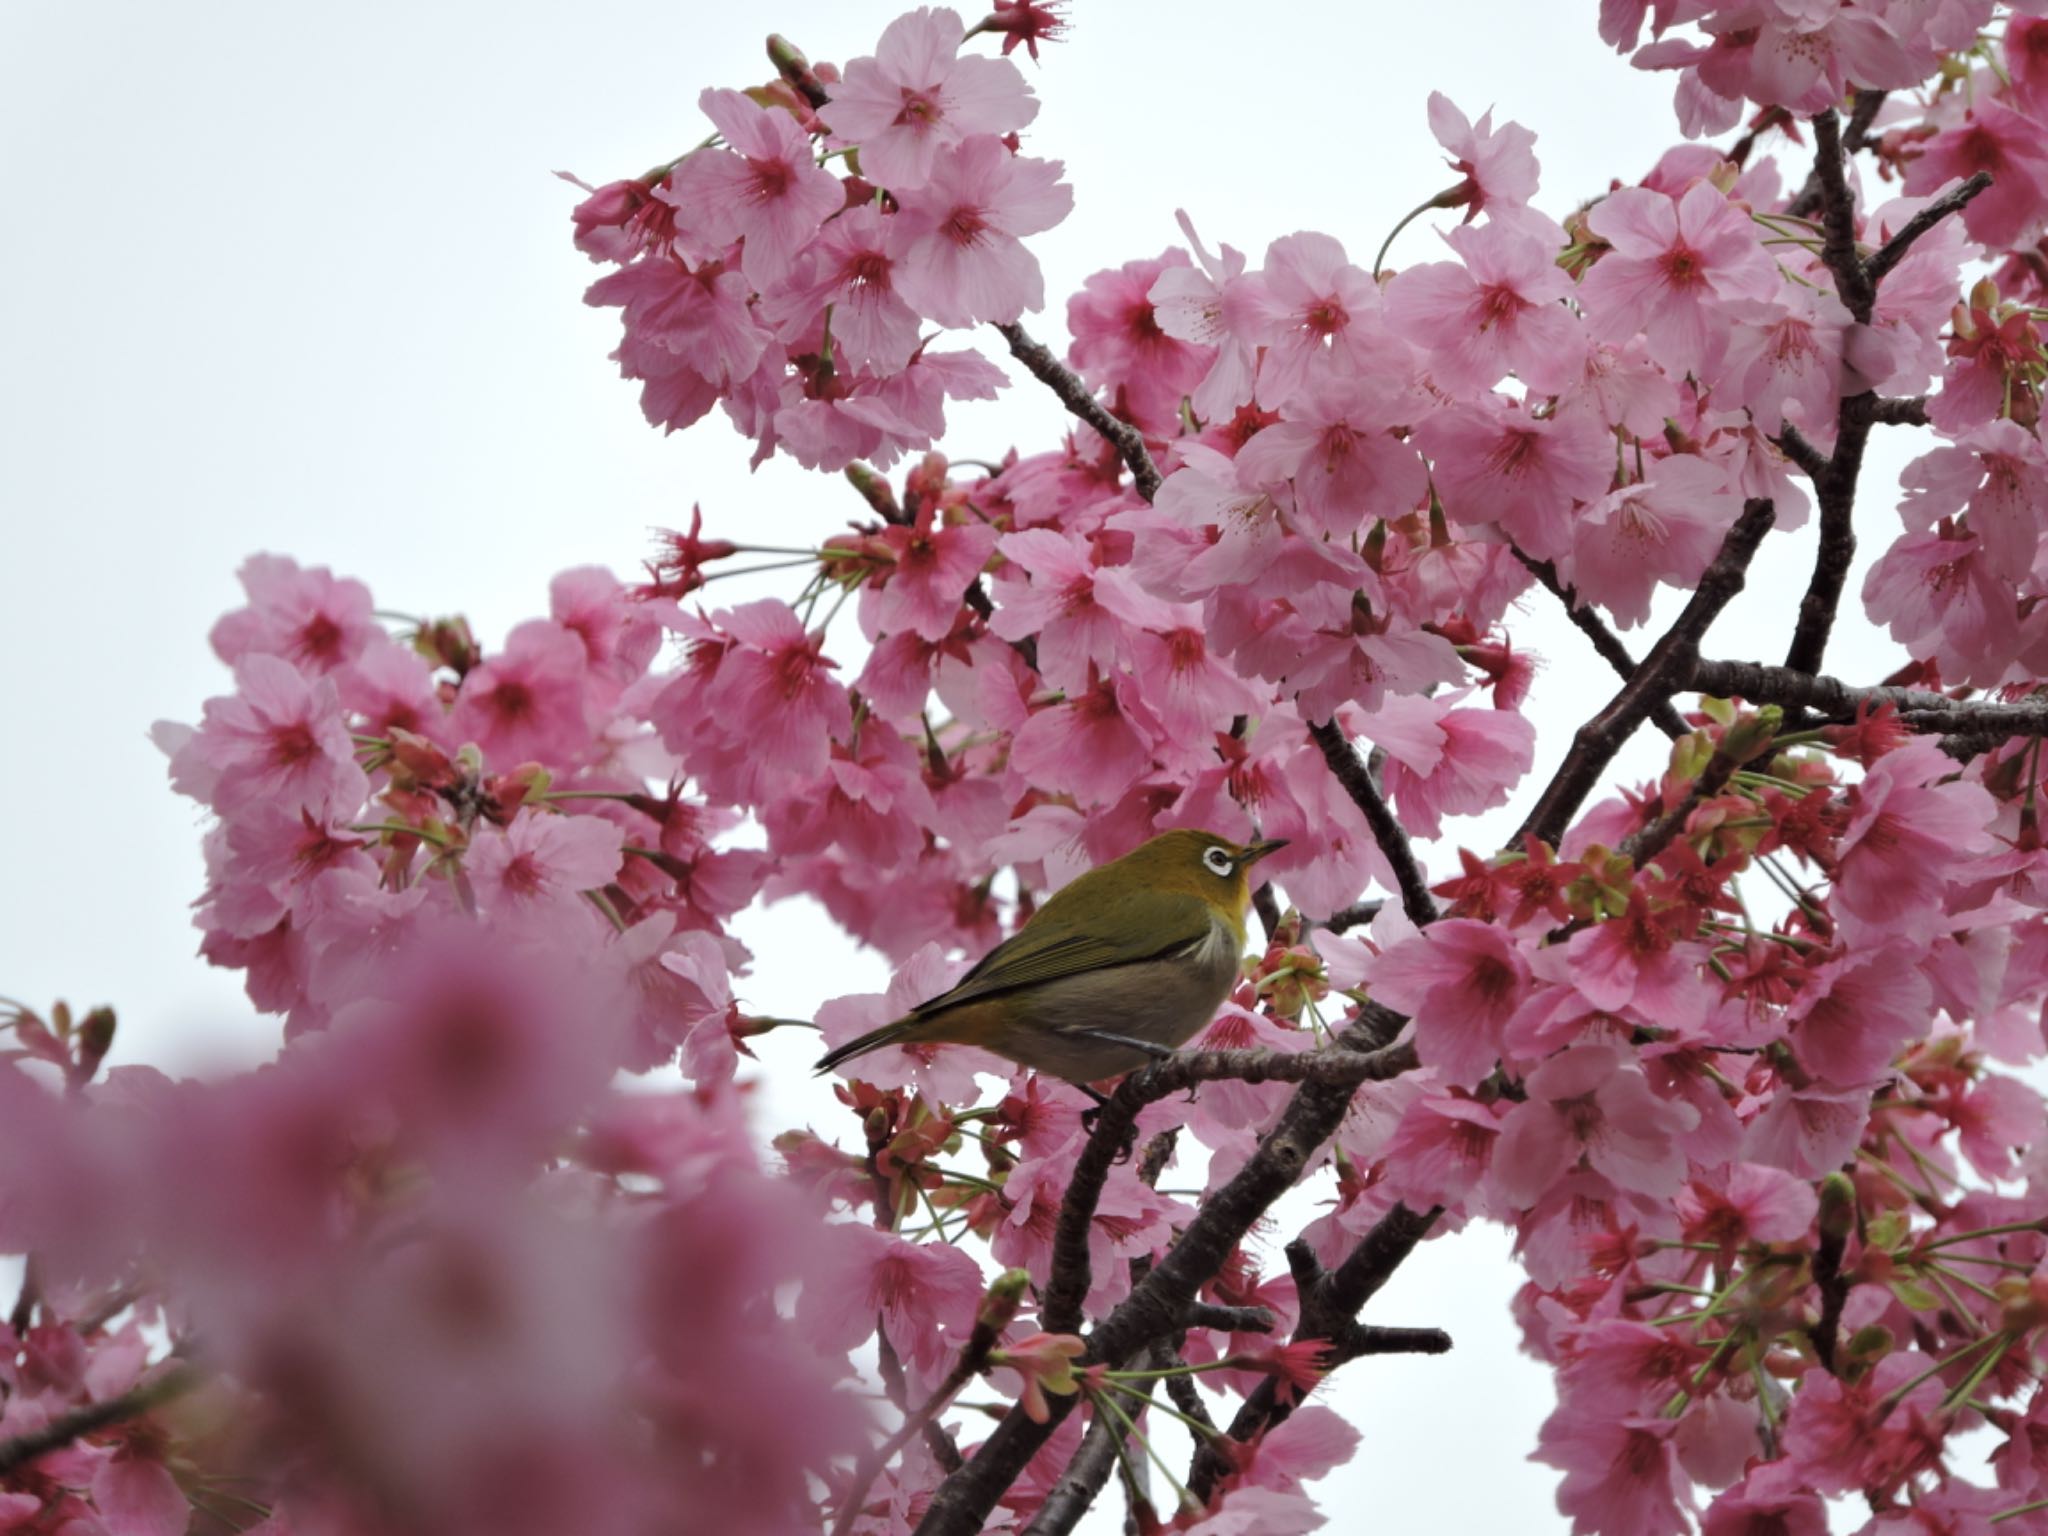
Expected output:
(1832, 699)
(962, 1504)
(1330, 1303)
(988, 1329)
(1595, 629)
(1906, 411)
(1075, 395)
(1352, 773)
(79, 1422)
(1894, 250)
(1345, 918)
(1663, 672)
(1334, 1067)
(1838, 219)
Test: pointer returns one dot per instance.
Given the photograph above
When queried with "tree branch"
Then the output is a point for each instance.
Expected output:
(1336, 1068)
(1832, 699)
(964, 1501)
(1352, 773)
(1075, 395)
(1359, 912)
(1838, 219)
(1078, 1486)
(1894, 250)
(1906, 411)
(1330, 1303)
(79, 1422)
(1663, 672)
(1590, 624)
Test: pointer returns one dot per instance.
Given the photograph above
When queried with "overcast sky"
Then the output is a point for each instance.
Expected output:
(298, 278)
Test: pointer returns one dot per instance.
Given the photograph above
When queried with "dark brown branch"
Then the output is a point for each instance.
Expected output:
(1078, 1486)
(1832, 699)
(1339, 1069)
(1663, 672)
(1595, 629)
(1075, 395)
(79, 1422)
(964, 1501)
(1906, 411)
(1793, 444)
(1362, 1339)
(1730, 754)
(1330, 1303)
(1351, 772)
(1838, 219)
(1894, 250)
(1357, 913)
(1203, 1314)
(1268, 907)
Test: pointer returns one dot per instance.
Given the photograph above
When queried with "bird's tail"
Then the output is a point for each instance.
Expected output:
(860, 1045)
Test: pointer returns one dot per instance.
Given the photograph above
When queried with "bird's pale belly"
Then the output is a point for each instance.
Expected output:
(1165, 1002)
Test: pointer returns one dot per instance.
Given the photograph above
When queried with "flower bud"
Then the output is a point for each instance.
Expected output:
(1837, 1207)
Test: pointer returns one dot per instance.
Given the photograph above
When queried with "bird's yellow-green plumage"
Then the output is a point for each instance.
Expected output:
(1125, 963)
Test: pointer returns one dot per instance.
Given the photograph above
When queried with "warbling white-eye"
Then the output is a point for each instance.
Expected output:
(1121, 966)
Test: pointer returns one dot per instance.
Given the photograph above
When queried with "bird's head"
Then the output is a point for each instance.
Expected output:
(1201, 864)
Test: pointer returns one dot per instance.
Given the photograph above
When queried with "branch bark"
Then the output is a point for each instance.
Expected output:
(964, 1501)
(1352, 773)
(1075, 395)
(1662, 673)
(1595, 629)
(80, 1422)
(1832, 699)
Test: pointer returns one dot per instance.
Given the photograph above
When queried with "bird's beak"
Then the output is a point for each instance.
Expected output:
(1259, 850)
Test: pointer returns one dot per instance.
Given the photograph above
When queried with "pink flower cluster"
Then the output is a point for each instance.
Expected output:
(1732, 1053)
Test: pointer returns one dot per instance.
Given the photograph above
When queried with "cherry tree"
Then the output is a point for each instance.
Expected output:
(1737, 1055)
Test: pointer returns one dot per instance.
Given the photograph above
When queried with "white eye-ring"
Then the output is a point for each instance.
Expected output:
(1219, 862)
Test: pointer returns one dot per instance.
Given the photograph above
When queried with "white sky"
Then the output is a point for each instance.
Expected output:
(298, 278)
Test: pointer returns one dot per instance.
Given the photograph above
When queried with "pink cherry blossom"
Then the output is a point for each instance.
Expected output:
(1589, 1101)
(1462, 980)
(915, 95)
(1497, 310)
(540, 865)
(1991, 137)
(1499, 165)
(762, 188)
(1675, 264)
(964, 259)
(1665, 527)
(850, 266)
(527, 703)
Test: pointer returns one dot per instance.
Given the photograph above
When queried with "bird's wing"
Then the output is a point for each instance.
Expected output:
(1146, 925)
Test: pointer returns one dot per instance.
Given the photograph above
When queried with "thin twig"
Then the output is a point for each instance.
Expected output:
(1595, 629)
(1351, 772)
(1832, 699)
(79, 1422)
(1838, 219)
(1334, 1067)
(988, 1329)
(1353, 916)
(1075, 395)
(1330, 1303)
(1663, 672)
(1905, 411)
(962, 1504)
(1894, 250)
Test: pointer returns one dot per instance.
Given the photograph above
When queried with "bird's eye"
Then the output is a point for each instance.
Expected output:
(1218, 861)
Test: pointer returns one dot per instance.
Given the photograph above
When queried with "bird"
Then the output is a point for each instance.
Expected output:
(1119, 968)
